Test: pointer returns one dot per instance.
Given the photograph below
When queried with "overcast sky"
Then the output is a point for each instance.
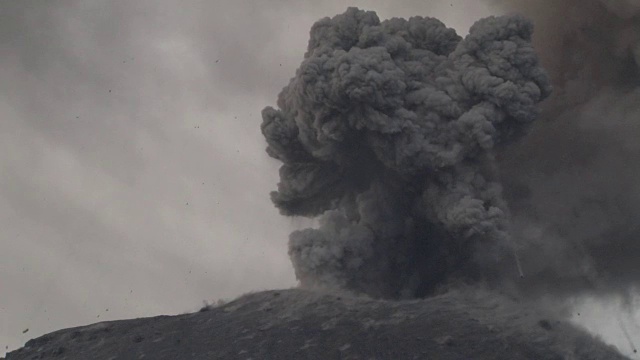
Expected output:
(133, 175)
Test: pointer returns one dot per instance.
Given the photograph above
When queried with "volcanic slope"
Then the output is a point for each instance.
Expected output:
(306, 324)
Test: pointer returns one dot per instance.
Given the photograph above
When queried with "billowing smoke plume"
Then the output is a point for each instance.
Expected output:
(573, 184)
(389, 133)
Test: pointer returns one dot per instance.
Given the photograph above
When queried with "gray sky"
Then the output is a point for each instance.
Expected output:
(133, 176)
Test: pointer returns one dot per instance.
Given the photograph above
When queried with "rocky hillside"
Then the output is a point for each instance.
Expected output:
(303, 324)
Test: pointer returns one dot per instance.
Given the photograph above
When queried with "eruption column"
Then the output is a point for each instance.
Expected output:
(388, 132)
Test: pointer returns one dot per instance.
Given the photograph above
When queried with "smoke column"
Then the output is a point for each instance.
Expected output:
(573, 183)
(389, 133)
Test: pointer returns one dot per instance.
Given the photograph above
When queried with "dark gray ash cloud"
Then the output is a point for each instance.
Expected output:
(389, 132)
(415, 149)
(572, 184)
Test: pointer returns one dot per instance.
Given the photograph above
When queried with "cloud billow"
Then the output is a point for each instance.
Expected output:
(388, 133)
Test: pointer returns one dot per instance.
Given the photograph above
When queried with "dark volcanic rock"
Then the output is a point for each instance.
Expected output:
(303, 324)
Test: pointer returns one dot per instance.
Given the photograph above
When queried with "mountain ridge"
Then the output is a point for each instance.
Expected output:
(311, 324)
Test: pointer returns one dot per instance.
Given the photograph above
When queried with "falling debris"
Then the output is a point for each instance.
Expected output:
(445, 340)
(626, 335)
(545, 324)
(515, 255)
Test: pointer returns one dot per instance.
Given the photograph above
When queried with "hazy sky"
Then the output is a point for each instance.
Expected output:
(133, 176)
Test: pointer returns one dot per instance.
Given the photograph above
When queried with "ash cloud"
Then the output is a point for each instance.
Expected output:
(572, 183)
(388, 133)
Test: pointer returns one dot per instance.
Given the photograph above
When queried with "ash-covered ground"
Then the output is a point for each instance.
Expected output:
(306, 324)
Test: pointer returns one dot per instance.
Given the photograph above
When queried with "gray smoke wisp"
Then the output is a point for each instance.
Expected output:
(389, 133)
